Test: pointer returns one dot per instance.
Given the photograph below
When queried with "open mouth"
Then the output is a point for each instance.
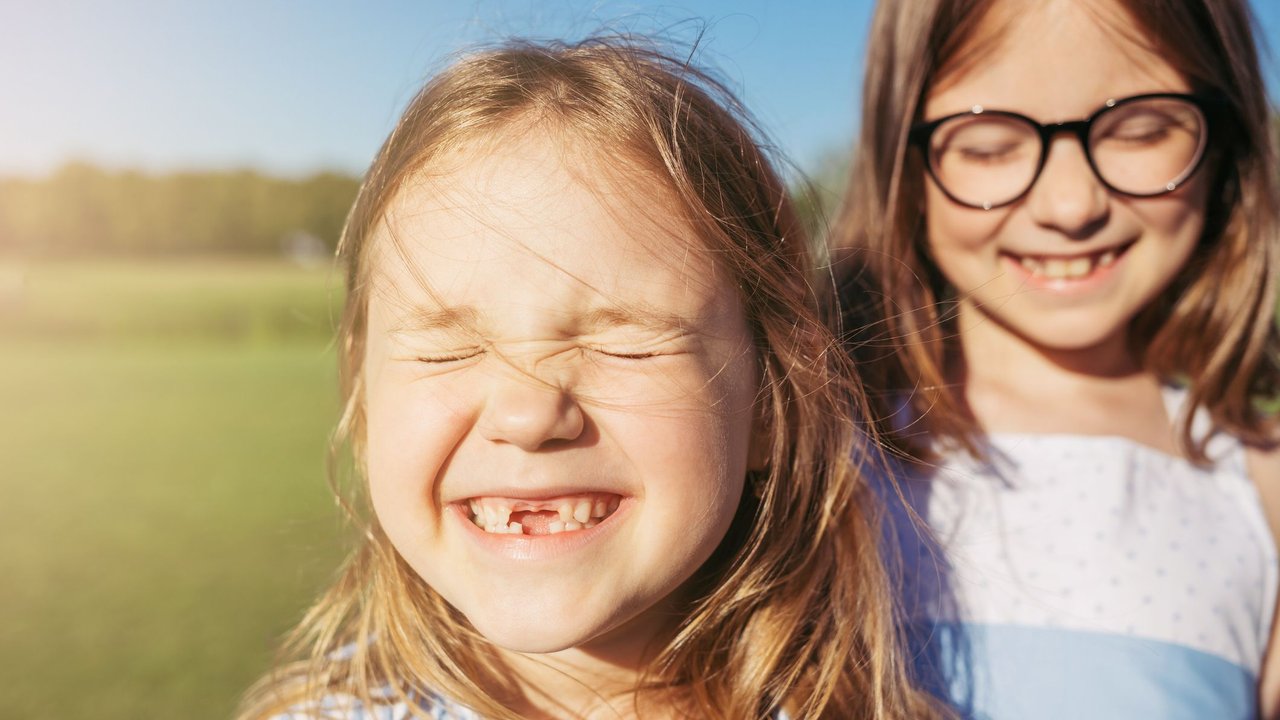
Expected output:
(567, 513)
(1078, 267)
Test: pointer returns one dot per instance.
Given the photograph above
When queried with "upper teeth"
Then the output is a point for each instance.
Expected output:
(574, 512)
(1067, 268)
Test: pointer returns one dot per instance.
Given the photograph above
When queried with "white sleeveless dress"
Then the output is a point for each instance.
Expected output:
(1076, 577)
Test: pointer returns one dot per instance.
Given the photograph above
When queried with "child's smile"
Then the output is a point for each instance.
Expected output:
(560, 391)
(541, 516)
(1066, 266)
(1061, 270)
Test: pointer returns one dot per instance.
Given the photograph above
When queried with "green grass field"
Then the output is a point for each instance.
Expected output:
(165, 513)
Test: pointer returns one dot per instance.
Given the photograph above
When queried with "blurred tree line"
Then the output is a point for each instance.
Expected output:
(82, 210)
(85, 211)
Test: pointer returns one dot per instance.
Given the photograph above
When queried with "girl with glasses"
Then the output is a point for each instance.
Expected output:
(1060, 248)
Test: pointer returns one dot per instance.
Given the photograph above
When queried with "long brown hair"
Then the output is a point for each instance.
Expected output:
(1212, 329)
(794, 611)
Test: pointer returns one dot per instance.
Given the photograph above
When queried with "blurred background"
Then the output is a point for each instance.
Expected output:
(173, 179)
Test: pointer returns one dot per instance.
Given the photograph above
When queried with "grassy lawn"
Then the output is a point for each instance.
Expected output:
(165, 512)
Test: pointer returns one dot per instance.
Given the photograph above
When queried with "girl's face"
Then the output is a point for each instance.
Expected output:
(1068, 265)
(560, 387)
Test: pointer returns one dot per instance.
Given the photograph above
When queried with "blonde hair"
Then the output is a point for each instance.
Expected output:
(794, 610)
(1212, 328)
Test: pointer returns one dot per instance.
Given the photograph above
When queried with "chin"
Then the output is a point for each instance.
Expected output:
(1064, 330)
(533, 637)
(531, 640)
(1070, 338)
(535, 631)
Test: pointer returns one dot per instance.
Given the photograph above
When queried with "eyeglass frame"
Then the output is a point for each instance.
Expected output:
(1210, 105)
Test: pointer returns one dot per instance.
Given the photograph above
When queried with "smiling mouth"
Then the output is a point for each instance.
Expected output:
(1078, 267)
(567, 513)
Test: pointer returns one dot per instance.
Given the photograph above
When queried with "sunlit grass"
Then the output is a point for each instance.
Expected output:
(165, 512)
(225, 299)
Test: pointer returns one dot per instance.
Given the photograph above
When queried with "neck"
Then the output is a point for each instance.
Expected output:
(1010, 384)
(993, 352)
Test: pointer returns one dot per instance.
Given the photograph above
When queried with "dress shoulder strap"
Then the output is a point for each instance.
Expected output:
(1225, 450)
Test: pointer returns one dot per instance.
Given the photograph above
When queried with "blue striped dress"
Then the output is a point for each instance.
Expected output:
(347, 707)
(1074, 577)
(433, 707)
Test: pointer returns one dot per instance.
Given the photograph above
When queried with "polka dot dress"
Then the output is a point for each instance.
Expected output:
(1088, 576)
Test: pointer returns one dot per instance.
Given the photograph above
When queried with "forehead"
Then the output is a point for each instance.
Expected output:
(1053, 60)
(541, 219)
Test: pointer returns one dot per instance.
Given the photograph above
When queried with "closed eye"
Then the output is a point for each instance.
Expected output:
(448, 357)
(625, 354)
(1148, 135)
(989, 154)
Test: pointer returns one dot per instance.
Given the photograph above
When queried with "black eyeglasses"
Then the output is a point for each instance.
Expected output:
(1139, 146)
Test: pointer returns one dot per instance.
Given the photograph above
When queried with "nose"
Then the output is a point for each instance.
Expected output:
(1068, 195)
(530, 413)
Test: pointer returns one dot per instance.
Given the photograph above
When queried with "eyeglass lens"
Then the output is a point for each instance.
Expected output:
(1144, 147)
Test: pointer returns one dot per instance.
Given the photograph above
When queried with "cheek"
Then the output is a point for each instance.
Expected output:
(410, 435)
(962, 242)
(696, 450)
(694, 472)
(726, 425)
(952, 228)
(1178, 217)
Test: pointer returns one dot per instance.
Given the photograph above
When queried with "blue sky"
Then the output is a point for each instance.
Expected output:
(293, 86)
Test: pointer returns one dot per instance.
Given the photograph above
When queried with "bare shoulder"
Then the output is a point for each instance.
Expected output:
(1263, 461)
(1264, 469)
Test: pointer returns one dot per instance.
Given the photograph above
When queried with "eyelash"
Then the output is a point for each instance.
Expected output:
(468, 354)
(625, 355)
(448, 358)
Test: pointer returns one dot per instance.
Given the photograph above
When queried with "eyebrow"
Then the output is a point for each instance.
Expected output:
(448, 318)
(639, 315)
